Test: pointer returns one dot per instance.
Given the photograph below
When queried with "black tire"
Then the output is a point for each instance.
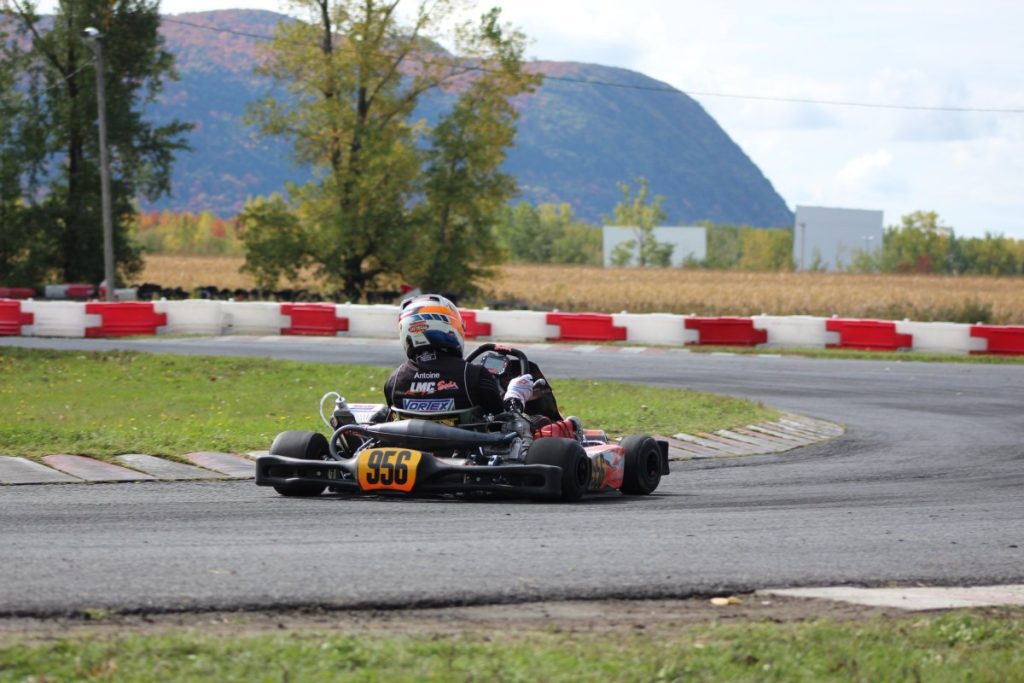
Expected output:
(304, 446)
(643, 465)
(570, 456)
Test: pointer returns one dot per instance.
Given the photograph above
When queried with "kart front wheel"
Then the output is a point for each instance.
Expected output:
(643, 465)
(567, 454)
(304, 446)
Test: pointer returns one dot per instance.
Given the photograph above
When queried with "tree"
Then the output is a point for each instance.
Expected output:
(141, 151)
(391, 194)
(642, 216)
(920, 244)
(766, 249)
(548, 233)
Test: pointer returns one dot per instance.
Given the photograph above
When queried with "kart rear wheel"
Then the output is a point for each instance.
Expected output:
(304, 446)
(567, 454)
(643, 465)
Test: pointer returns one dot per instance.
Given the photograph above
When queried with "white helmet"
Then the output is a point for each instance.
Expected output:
(431, 321)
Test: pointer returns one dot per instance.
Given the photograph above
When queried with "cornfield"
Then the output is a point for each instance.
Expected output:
(701, 292)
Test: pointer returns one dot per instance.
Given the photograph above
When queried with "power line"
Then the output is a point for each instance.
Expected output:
(676, 91)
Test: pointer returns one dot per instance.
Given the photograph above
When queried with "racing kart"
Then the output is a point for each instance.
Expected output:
(408, 452)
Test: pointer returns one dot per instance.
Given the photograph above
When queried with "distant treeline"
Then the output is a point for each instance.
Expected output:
(550, 233)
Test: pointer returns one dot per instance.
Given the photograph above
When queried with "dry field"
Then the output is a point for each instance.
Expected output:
(586, 288)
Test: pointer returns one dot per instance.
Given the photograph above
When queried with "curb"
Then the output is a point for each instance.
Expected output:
(786, 433)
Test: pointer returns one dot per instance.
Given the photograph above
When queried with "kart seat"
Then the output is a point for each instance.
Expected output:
(425, 435)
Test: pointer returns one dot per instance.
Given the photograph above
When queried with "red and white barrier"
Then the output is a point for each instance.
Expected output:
(254, 317)
(585, 327)
(518, 325)
(58, 319)
(660, 329)
(941, 337)
(12, 318)
(78, 319)
(192, 316)
(795, 331)
(318, 320)
(726, 331)
(378, 320)
(124, 319)
(1005, 341)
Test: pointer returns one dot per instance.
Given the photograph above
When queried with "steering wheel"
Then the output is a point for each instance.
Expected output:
(524, 363)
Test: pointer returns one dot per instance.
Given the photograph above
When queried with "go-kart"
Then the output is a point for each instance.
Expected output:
(384, 450)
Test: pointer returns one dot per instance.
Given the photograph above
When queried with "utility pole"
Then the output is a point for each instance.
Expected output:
(92, 38)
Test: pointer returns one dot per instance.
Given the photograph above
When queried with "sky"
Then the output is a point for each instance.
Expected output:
(966, 166)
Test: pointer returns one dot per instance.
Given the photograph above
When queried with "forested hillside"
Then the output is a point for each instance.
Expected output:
(575, 141)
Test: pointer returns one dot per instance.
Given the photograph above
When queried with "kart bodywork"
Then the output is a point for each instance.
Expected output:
(421, 456)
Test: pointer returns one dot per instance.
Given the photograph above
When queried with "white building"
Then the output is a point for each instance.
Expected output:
(829, 239)
(687, 242)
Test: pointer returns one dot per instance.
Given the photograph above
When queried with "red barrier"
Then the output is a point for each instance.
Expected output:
(1003, 340)
(11, 318)
(124, 319)
(870, 335)
(17, 293)
(79, 291)
(319, 320)
(474, 328)
(585, 327)
(726, 332)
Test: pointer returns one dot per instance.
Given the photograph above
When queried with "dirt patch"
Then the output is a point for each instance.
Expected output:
(555, 617)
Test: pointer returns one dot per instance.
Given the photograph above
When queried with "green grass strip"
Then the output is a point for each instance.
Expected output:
(107, 403)
(960, 646)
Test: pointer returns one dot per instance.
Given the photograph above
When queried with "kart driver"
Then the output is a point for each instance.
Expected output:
(435, 378)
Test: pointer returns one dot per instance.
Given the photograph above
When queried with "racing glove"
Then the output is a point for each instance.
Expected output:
(520, 389)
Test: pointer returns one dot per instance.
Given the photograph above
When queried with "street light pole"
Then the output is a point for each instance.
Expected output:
(92, 38)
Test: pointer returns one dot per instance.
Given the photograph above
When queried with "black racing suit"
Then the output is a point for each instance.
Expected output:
(437, 382)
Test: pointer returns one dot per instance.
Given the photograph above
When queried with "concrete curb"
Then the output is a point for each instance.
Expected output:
(788, 432)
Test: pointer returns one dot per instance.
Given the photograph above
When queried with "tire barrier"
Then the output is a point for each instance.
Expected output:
(12, 319)
(585, 327)
(726, 331)
(33, 317)
(474, 328)
(1004, 341)
(319, 320)
(870, 335)
(124, 319)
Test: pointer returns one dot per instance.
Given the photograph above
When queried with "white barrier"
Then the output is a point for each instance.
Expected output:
(58, 319)
(375, 321)
(941, 337)
(193, 316)
(253, 317)
(795, 330)
(517, 325)
(666, 329)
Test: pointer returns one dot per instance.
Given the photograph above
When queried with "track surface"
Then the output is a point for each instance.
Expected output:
(927, 486)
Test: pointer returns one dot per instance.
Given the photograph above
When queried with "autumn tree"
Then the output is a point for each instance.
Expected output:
(141, 152)
(642, 214)
(391, 193)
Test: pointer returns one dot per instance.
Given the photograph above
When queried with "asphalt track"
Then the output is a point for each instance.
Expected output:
(926, 487)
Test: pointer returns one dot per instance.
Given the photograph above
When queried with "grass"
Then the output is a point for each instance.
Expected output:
(959, 646)
(953, 298)
(107, 403)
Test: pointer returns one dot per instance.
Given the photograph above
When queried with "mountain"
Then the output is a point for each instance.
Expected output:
(577, 137)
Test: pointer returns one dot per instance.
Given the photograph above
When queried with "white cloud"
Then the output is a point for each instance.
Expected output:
(863, 170)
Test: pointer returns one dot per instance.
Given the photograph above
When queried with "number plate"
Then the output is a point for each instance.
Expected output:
(388, 468)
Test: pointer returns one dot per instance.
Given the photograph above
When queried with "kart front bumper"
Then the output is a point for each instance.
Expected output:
(433, 476)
